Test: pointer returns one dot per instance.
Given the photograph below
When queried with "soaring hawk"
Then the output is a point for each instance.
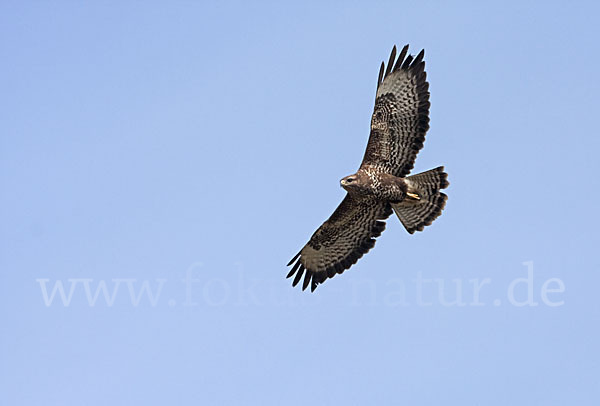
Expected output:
(381, 185)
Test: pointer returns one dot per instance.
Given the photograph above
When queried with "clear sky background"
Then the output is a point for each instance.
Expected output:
(149, 143)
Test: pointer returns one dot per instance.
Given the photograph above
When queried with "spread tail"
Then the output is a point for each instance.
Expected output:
(424, 202)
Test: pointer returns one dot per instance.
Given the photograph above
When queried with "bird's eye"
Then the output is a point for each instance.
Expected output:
(349, 180)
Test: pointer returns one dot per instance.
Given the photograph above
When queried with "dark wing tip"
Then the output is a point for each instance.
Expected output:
(390, 62)
(403, 62)
(381, 70)
(407, 62)
(294, 269)
(401, 58)
(298, 276)
(307, 278)
(293, 259)
(419, 58)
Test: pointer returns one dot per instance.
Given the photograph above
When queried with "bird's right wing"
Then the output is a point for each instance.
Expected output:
(346, 236)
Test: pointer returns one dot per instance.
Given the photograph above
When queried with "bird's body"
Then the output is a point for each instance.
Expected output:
(381, 185)
(373, 181)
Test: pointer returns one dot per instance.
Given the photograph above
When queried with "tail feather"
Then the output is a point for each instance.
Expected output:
(416, 214)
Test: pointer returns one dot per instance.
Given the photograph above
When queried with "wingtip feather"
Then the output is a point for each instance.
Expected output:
(294, 269)
(306, 279)
(390, 64)
(298, 276)
(401, 58)
(381, 70)
(293, 259)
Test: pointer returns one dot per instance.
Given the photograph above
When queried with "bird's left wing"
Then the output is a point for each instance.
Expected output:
(401, 115)
(346, 236)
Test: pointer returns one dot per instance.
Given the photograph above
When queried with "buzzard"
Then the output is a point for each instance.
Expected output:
(381, 185)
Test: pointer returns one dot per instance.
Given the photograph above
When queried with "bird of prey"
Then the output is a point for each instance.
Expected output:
(381, 185)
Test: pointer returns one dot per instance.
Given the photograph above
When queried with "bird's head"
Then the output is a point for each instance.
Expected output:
(349, 182)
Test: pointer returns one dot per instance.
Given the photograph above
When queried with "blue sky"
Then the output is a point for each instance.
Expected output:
(180, 153)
